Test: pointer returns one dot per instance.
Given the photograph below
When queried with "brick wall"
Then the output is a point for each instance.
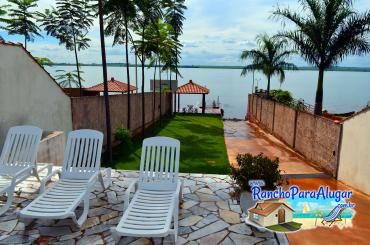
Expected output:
(317, 138)
(89, 112)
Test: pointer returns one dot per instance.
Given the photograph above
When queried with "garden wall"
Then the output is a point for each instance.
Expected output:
(354, 160)
(314, 137)
(89, 112)
(51, 148)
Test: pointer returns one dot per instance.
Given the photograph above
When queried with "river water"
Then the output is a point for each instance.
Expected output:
(343, 90)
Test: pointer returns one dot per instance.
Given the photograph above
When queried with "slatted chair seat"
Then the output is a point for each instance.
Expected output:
(81, 170)
(153, 211)
(18, 160)
(149, 214)
(60, 200)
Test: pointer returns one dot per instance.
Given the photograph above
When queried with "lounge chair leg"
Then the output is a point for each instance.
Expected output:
(8, 203)
(176, 221)
(86, 207)
(36, 174)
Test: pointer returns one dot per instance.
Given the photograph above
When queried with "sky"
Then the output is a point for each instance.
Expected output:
(215, 33)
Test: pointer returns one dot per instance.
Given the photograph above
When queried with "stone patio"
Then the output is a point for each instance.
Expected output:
(207, 216)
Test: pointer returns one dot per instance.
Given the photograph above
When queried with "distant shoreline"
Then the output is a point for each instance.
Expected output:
(303, 68)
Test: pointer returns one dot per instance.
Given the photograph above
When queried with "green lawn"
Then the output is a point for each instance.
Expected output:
(293, 226)
(203, 147)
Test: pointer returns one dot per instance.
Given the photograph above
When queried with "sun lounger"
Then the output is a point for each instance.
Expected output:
(156, 202)
(18, 159)
(333, 216)
(81, 169)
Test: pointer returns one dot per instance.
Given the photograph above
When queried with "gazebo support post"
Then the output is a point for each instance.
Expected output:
(174, 101)
(203, 103)
(178, 103)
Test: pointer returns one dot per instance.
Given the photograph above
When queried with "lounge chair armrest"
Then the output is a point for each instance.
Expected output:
(21, 172)
(128, 191)
(93, 178)
(47, 179)
(178, 190)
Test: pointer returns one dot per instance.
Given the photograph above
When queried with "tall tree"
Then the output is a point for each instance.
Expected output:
(174, 15)
(269, 58)
(326, 32)
(105, 81)
(163, 48)
(67, 79)
(70, 22)
(120, 17)
(22, 21)
(148, 11)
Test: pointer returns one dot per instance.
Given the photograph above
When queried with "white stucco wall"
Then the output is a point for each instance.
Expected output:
(354, 161)
(28, 95)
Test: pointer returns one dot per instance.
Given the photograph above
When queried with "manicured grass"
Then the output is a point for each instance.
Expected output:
(203, 147)
(293, 226)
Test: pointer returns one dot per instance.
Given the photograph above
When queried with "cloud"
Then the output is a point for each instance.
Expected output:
(215, 33)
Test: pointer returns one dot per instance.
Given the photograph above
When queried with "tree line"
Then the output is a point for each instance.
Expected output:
(150, 28)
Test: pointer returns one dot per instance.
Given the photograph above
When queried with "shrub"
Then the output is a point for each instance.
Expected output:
(123, 135)
(257, 167)
(281, 96)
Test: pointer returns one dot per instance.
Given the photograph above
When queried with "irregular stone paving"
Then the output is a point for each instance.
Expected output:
(207, 216)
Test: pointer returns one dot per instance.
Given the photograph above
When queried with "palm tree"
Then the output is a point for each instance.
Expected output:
(121, 15)
(269, 58)
(3, 12)
(148, 11)
(22, 20)
(105, 78)
(327, 31)
(67, 79)
(163, 46)
(174, 16)
(69, 23)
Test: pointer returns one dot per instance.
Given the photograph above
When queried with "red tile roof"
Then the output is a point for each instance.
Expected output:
(113, 86)
(265, 209)
(192, 88)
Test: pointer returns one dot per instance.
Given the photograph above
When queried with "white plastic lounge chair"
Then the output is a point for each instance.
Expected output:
(18, 159)
(156, 202)
(81, 169)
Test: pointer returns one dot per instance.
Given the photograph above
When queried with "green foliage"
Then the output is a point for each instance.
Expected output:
(3, 12)
(123, 135)
(269, 58)
(44, 61)
(70, 22)
(22, 21)
(281, 96)
(257, 167)
(68, 79)
(325, 33)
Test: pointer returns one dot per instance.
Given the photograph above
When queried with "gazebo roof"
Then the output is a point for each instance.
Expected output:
(192, 88)
(113, 86)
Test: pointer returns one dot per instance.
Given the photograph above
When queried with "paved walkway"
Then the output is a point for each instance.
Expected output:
(207, 216)
(243, 137)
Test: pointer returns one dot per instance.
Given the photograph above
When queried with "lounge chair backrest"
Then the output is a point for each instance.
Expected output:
(20, 147)
(82, 154)
(335, 213)
(159, 166)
